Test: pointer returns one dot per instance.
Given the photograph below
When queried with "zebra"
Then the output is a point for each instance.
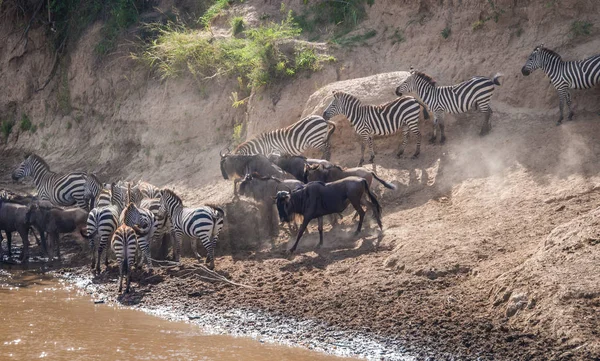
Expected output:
(161, 221)
(310, 132)
(123, 243)
(60, 189)
(370, 120)
(96, 193)
(146, 223)
(101, 223)
(458, 98)
(201, 223)
(578, 74)
(148, 190)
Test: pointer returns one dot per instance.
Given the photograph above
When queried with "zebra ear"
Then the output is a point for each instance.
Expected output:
(412, 69)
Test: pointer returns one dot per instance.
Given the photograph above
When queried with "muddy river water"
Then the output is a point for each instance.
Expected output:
(44, 318)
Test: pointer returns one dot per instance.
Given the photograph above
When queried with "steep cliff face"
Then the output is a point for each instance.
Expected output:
(471, 230)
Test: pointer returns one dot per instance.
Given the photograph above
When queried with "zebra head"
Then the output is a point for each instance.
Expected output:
(409, 85)
(28, 166)
(169, 202)
(534, 61)
(335, 107)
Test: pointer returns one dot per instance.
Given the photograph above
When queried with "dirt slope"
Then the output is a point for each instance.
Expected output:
(490, 247)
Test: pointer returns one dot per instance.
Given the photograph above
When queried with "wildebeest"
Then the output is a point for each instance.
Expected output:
(263, 189)
(320, 173)
(237, 166)
(56, 221)
(318, 199)
(296, 164)
(15, 218)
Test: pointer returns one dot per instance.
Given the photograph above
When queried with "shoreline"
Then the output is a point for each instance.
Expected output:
(258, 325)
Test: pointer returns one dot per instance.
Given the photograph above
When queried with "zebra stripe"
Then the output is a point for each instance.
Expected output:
(101, 223)
(310, 132)
(203, 223)
(578, 74)
(124, 243)
(153, 205)
(370, 120)
(60, 189)
(148, 190)
(145, 224)
(458, 98)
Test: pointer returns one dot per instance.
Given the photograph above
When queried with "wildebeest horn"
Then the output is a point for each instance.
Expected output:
(227, 151)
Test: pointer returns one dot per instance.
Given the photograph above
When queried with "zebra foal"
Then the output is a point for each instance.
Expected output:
(458, 98)
(310, 132)
(146, 225)
(124, 243)
(203, 223)
(371, 120)
(60, 189)
(564, 75)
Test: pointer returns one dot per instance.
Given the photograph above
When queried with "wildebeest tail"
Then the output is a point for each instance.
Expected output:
(496, 78)
(385, 184)
(424, 109)
(376, 205)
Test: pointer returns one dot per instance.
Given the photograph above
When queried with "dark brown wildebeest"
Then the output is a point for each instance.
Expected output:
(318, 199)
(56, 221)
(15, 218)
(319, 173)
(263, 190)
(237, 166)
(296, 164)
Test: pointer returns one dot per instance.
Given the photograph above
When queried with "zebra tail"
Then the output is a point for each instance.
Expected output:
(330, 132)
(424, 109)
(496, 78)
(385, 184)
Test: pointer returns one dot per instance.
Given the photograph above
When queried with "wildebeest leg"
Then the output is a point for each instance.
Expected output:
(300, 232)
(56, 244)
(9, 243)
(320, 219)
(24, 233)
(360, 211)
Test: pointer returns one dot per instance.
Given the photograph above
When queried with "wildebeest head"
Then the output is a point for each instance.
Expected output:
(315, 173)
(284, 206)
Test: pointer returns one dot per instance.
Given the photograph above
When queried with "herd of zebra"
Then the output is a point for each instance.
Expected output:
(132, 216)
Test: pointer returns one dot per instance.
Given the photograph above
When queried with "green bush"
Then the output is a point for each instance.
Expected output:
(343, 15)
(212, 12)
(6, 128)
(256, 58)
(355, 39)
(25, 123)
(237, 25)
(446, 32)
(579, 28)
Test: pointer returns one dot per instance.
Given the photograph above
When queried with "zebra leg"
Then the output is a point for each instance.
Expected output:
(9, 243)
(568, 99)
(93, 249)
(404, 141)
(326, 151)
(442, 127)
(177, 246)
(363, 140)
(417, 134)
(486, 126)
(371, 149)
(561, 103)
(433, 137)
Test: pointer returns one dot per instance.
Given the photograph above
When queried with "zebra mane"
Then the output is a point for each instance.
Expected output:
(36, 158)
(425, 77)
(169, 192)
(551, 52)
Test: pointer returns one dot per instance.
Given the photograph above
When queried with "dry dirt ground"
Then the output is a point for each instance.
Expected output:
(490, 250)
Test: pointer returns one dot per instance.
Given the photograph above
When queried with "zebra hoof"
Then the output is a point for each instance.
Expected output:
(432, 140)
(443, 139)
(415, 156)
(558, 123)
